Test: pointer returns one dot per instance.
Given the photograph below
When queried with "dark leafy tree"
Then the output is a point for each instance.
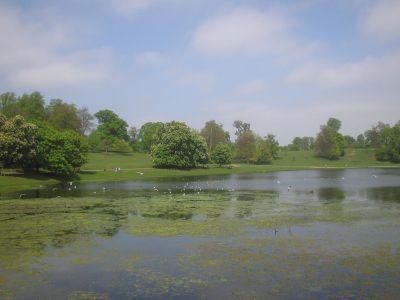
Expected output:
(60, 152)
(330, 143)
(63, 116)
(111, 125)
(179, 146)
(245, 145)
(222, 154)
(241, 127)
(389, 141)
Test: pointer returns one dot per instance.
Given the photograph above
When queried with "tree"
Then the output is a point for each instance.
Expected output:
(263, 154)
(179, 147)
(326, 144)
(86, 120)
(18, 142)
(8, 104)
(372, 135)
(222, 154)
(334, 123)
(273, 145)
(214, 134)
(148, 136)
(241, 127)
(302, 143)
(349, 141)
(63, 116)
(60, 152)
(111, 125)
(245, 145)
(360, 142)
(31, 106)
(389, 141)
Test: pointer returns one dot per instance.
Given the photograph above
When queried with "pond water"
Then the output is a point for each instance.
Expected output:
(290, 235)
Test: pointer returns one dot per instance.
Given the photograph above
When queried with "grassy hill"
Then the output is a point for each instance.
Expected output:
(138, 166)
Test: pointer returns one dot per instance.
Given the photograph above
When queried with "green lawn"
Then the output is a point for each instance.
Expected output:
(138, 166)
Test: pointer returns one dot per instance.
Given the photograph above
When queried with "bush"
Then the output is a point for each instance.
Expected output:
(179, 147)
(18, 142)
(389, 139)
(263, 154)
(222, 154)
(59, 152)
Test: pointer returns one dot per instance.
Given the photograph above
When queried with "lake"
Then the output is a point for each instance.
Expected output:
(316, 234)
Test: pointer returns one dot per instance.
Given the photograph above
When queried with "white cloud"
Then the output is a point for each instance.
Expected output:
(200, 79)
(249, 31)
(151, 59)
(371, 72)
(382, 20)
(130, 8)
(252, 87)
(34, 52)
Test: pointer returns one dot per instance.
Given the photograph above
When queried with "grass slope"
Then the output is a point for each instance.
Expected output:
(101, 166)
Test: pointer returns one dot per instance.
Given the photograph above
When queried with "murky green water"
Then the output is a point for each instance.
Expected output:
(290, 235)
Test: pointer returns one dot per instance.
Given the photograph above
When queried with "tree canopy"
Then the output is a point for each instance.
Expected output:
(214, 134)
(222, 154)
(179, 147)
(330, 143)
(63, 116)
(111, 125)
(18, 142)
(389, 141)
(147, 135)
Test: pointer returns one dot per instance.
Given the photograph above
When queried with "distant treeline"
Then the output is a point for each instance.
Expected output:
(56, 137)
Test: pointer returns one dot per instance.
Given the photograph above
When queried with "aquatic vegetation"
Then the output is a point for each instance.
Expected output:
(151, 244)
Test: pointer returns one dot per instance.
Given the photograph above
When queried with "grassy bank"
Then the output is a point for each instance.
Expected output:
(138, 166)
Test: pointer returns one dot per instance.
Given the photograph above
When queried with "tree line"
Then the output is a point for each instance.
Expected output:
(56, 138)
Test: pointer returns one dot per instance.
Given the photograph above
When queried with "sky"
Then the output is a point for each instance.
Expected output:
(285, 67)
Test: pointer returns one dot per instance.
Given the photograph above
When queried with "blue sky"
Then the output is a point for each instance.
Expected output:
(283, 66)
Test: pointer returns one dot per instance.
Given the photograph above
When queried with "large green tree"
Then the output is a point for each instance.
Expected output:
(302, 143)
(273, 145)
(8, 104)
(63, 116)
(372, 136)
(111, 125)
(60, 152)
(148, 136)
(222, 154)
(18, 142)
(389, 141)
(179, 146)
(31, 106)
(263, 152)
(330, 143)
(214, 134)
(245, 145)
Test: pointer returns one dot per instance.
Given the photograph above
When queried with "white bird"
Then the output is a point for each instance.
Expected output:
(374, 176)
(70, 183)
(278, 182)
